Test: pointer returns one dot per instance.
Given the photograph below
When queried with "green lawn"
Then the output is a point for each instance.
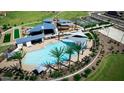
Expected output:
(24, 17)
(16, 33)
(72, 14)
(4, 48)
(111, 68)
(7, 38)
(18, 17)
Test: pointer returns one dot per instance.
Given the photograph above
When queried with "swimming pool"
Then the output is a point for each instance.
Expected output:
(42, 56)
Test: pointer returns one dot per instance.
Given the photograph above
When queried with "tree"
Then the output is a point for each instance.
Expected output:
(77, 49)
(57, 53)
(4, 27)
(48, 65)
(69, 51)
(19, 55)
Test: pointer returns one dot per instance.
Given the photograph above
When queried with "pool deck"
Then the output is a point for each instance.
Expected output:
(39, 45)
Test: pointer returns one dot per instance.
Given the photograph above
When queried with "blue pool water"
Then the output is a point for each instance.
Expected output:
(43, 55)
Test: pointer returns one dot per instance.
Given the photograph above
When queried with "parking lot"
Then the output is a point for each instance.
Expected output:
(113, 33)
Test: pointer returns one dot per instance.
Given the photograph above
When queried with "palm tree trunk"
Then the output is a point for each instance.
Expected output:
(69, 60)
(63, 65)
(78, 57)
(58, 35)
(58, 65)
(52, 67)
(20, 63)
(82, 51)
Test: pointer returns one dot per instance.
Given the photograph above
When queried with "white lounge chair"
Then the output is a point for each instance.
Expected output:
(28, 44)
(20, 46)
(40, 69)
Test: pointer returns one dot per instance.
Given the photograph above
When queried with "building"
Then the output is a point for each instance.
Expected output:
(61, 24)
(46, 30)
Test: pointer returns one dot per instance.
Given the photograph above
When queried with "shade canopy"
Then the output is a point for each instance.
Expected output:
(28, 39)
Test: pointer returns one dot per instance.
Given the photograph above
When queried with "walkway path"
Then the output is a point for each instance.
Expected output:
(58, 79)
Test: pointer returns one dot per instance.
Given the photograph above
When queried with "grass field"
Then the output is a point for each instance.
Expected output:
(16, 33)
(24, 16)
(7, 37)
(18, 17)
(111, 68)
(72, 14)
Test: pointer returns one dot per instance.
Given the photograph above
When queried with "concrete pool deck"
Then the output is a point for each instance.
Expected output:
(39, 45)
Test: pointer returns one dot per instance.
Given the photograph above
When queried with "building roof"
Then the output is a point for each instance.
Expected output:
(77, 37)
(80, 33)
(43, 26)
(48, 20)
(60, 20)
(29, 38)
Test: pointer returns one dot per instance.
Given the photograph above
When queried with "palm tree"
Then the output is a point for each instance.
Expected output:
(70, 51)
(19, 55)
(57, 53)
(77, 49)
(48, 65)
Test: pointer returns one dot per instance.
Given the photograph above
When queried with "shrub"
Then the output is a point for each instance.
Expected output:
(87, 60)
(72, 69)
(84, 75)
(87, 71)
(8, 24)
(103, 23)
(15, 25)
(17, 74)
(15, 77)
(56, 74)
(22, 22)
(33, 77)
(93, 68)
(21, 77)
(5, 27)
(65, 79)
(93, 54)
(97, 64)
(27, 77)
(77, 77)
(8, 74)
(7, 37)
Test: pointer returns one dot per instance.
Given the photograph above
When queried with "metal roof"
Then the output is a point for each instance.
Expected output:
(29, 38)
(43, 26)
(59, 20)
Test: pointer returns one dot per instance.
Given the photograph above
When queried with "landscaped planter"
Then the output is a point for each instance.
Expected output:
(16, 33)
(7, 38)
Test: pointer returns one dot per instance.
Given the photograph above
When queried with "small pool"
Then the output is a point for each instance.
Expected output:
(41, 56)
